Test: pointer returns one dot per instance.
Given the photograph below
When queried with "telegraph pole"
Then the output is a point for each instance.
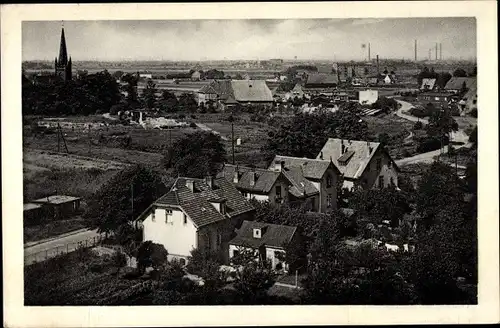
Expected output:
(90, 141)
(132, 200)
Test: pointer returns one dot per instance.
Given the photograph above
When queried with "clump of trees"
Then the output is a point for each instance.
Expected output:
(305, 134)
(196, 155)
(83, 96)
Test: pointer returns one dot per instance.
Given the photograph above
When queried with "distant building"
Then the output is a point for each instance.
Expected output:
(145, 75)
(367, 97)
(196, 76)
(456, 84)
(428, 84)
(295, 92)
(196, 214)
(236, 91)
(62, 64)
(266, 241)
(320, 80)
(363, 164)
(437, 98)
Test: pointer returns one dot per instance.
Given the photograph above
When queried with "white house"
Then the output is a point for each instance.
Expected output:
(367, 97)
(267, 241)
(195, 214)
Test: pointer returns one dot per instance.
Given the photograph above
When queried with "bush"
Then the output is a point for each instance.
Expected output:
(429, 144)
(473, 113)
(193, 116)
(193, 125)
(418, 126)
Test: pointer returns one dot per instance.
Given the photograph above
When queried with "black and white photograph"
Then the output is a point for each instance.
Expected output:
(251, 161)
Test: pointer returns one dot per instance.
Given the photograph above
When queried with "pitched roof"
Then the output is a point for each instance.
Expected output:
(301, 187)
(312, 168)
(358, 160)
(222, 88)
(429, 83)
(251, 90)
(455, 83)
(273, 235)
(326, 69)
(197, 203)
(56, 199)
(264, 179)
(322, 78)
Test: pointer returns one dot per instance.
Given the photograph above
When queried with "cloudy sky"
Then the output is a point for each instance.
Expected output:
(330, 39)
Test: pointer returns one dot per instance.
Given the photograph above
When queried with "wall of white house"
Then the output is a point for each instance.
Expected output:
(370, 178)
(271, 256)
(271, 196)
(177, 237)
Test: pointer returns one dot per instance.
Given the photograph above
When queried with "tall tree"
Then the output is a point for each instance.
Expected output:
(459, 72)
(123, 198)
(149, 94)
(196, 155)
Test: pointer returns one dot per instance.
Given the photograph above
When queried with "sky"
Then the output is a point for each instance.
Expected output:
(192, 40)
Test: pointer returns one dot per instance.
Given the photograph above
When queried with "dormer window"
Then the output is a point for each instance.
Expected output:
(257, 233)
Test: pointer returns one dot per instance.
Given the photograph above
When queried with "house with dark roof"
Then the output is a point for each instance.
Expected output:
(313, 181)
(363, 164)
(321, 80)
(59, 207)
(266, 241)
(195, 214)
(457, 84)
(231, 92)
(259, 184)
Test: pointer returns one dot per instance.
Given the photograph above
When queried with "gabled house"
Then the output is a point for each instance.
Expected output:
(196, 76)
(428, 84)
(321, 80)
(266, 241)
(297, 91)
(236, 91)
(363, 164)
(314, 181)
(258, 184)
(195, 214)
(456, 84)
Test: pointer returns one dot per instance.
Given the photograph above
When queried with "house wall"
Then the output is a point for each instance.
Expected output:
(368, 97)
(326, 191)
(370, 177)
(271, 257)
(177, 238)
(205, 97)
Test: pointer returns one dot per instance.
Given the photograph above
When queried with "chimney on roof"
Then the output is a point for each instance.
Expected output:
(190, 185)
(321, 155)
(209, 180)
(251, 174)
(342, 148)
(235, 176)
(279, 165)
(369, 148)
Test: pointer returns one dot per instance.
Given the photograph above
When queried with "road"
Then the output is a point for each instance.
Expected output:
(52, 247)
(459, 137)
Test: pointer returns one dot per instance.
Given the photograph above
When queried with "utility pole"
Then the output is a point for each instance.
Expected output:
(58, 139)
(62, 137)
(90, 141)
(415, 50)
(132, 200)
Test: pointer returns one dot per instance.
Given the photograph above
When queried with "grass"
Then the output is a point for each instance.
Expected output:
(43, 231)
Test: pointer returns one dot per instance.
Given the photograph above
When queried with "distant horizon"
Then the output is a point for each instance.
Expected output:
(334, 40)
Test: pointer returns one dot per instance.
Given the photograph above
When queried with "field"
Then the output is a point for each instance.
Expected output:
(50, 229)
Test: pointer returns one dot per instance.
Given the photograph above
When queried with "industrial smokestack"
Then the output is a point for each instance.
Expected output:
(436, 51)
(369, 57)
(440, 51)
(378, 70)
(415, 50)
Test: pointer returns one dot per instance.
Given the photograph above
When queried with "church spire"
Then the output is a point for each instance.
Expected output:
(63, 53)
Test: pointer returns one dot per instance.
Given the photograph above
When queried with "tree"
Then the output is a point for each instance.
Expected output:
(188, 103)
(305, 134)
(442, 79)
(441, 124)
(377, 205)
(169, 102)
(150, 254)
(196, 155)
(459, 72)
(131, 88)
(118, 74)
(149, 94)
(111, 206)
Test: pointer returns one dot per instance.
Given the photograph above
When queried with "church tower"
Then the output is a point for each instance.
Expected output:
(63, 64)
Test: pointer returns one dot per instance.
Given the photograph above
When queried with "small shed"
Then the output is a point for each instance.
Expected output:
(59, 206)
(32, 214)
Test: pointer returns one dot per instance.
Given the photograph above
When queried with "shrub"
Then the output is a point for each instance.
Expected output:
(473, 113)
(429, 144)
(418, 126)
(193, 125)
(193, 116)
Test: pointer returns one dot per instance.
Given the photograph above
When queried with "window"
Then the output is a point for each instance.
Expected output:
(168, 212)
(329, 200)
(185, 219)
(436, 98)
(222, 208)
(182, 261)
(328, 181)
(278, 191)
(219, 239)
(153, 216)
(379, 163)
(235, 253)
(381, 181)
(256, 233)
(245, 194)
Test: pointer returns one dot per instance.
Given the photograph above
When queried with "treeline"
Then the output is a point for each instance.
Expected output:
(83, 96)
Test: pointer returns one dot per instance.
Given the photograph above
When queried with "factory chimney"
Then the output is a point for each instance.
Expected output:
(415, 50)
(369, 57)
(436, 51)
(378, 70)
(440, 51)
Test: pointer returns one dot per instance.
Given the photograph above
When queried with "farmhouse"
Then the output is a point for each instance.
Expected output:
(457, 84)
(195, 214)
(295, 92)
(321, 80)
(313, 181)
(196, 76)
(266, 241)
(363, 164)
(238, 91)
(59, 207)
(258, 184)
